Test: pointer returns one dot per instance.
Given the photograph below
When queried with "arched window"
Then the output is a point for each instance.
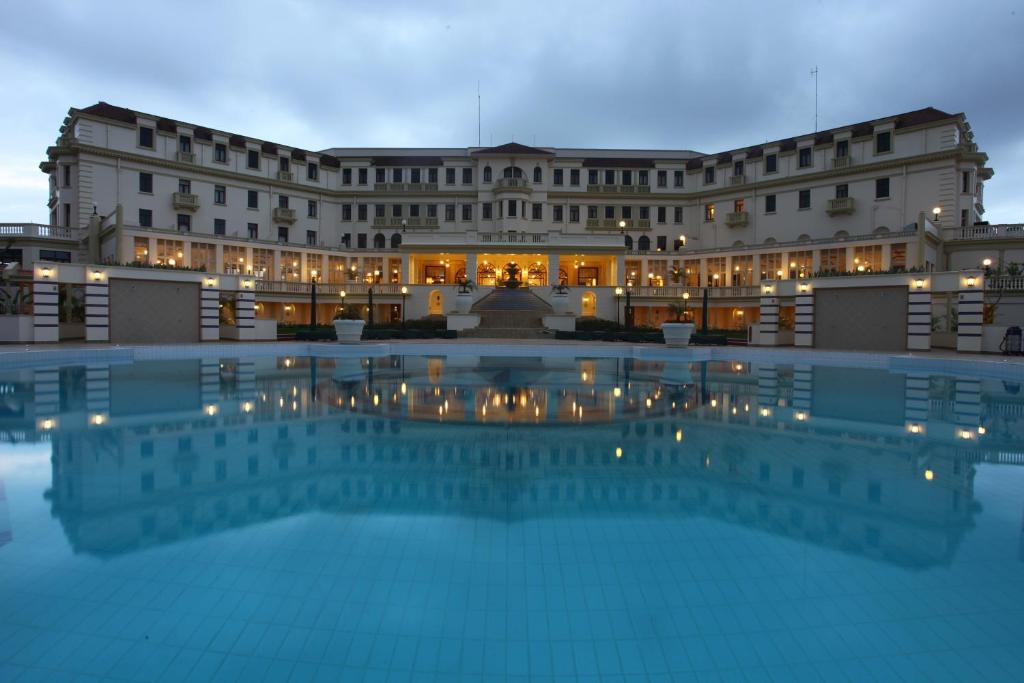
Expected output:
(378, 241)
(644, 243)
(563, 277)
(396, 240)
(485, 275)
(629, 241)
(537, 275)
(512, 172)
(537, 174)
(841, 233)
(881, 230)
(487, 174)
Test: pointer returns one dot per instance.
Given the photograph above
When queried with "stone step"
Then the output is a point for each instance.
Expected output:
(505, 333)
(504, 299)
(510, 319)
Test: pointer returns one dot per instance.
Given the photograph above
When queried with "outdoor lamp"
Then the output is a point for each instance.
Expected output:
(97, 275)
(987, 262)
(803, 286)
(970, 281)
(46, 272)
(936, 211)
(686, 295)
(622, 225)
(618, 291)
(919, 283)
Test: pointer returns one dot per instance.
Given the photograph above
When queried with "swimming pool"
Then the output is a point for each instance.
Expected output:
(465, 518)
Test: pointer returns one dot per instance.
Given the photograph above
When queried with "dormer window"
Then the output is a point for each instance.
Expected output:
(805, 157)
(883, 142)
(312, 171)
(285, 164)
(146, 137)
(842, 149)
(709, 175)
(184, 144)
(737, 169)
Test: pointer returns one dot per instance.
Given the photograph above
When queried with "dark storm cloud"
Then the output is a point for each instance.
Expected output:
(707, 76)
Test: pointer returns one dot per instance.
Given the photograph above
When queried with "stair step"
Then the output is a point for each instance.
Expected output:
(504, 299)
(505, 333)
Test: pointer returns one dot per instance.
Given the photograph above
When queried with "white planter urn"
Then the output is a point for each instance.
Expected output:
(560, 303)
(677, 335)
(463, 302)
(349, 331)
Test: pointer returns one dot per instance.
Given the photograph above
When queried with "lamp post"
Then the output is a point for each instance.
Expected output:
(622, 226)
(936, 212)
(686, 298)
(629, 307)
(369, 292)
(312, 299)
(404, 223)
(618, 300)
(342, 295)
(405, 290)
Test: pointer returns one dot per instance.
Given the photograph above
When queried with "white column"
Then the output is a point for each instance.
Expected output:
(97, 391)
(471, 266)
(44, 307)
(919, 319)
(803, 332)
(245, 310)
(97, 307)
(769, 325)
(407, 274)
(969, 313)
(553, 260)
(209, 312)
(915, 398)
(620, 271)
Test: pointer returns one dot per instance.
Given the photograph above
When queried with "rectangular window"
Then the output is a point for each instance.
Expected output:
(512, 204)
(574, 177)
(574, 214)
(804, 200)
(842, 191)
(381, 175)
(486, 211)
(556, 213)
(310, 208)
(645, 213)
(609, 177)
(883, 142)
(804, 157)
(379, 210)
(146, 218)
(591, 212)
(184, 144)
(67, 215)
(662, 242)
(449, 176)
(311, 238)
(842, 149)
(557, 179)
(67, 175)
(739, 206)
(627, 212)
(396, 175)
(592, 177)
(431, 210)
(396, 210)
(833, 260)
(898, 256)
(662, 178)
(346, 212)
(661, 214)
(709, 175)
(146, 137)
(537, 211)
(609, 212)
(963, 218)
(184, 186)
(677, 178)
(467, 176)
(709, 212)
(627, 177)
(769, 203)
(362, 176)
(254, 231)
(220, 226)
(467, 212)
(184, 222)
(677, 214)
(414, 211)
(737, 169)
(361, 240)
(432, 175)
(220, 153)
(965, 182)
(282, 233)
(220, 194)
(282, 201)
(449, 212)
(346, 176)
(643, 178)
(146, 183)
(253, 159)
(414, 175)
(253, 199)
(881, 188)
(361, 212)
(771, 163)
(284, 164)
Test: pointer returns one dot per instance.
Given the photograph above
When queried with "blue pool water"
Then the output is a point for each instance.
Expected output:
(508, 519)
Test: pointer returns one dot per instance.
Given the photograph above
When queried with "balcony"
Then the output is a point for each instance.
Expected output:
(40, 231)
(186, 201)
(611, 224)
(286, 176)
(186, 157)
(521, 184)
(1013, 231)
(839, 206)
(513, 237)
(737, 219)
(842, 162)
(619, 189)
(411, 222)
(283, 215)
(737, 179)
(405, 187)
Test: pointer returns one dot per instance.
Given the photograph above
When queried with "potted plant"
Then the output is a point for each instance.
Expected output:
(348, 326)
(560, 298)
(464, 297)
(677, 333)
(676, 275)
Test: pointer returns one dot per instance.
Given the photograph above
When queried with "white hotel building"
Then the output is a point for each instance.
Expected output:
(902, 192)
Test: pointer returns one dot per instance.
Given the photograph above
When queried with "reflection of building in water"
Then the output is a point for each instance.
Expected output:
(6, 534)
(799, 452)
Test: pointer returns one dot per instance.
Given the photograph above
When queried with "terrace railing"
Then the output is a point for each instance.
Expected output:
(39, 230)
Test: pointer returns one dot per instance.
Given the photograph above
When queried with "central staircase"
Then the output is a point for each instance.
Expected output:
(510, 314)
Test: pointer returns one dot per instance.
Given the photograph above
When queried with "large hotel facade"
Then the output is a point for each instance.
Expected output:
(900, 193)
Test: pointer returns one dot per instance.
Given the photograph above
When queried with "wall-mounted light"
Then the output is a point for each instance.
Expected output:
(210, 282)
(919, 283)
(46, 272)
(986, 262)
(405, 290)
(929, 475)
(98, 419)
(915, 428)
(211, 409)
(766, 412)
(971, 281)
(97, 275)
(803, 286)
(246, 406)
(800, 416)
(936, 212)
(47, 423)
(247, 284)
(767, 289)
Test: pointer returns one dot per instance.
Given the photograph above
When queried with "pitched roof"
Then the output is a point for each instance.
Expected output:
(109, 111)
(513, 148)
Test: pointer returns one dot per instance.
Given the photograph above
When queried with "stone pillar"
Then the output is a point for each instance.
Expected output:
(703, 273)
(218, 258)
(553, 265)
(969, 312)
(275, 266)
(803, 332)
(247, 379)
(620, 271)
(97, 307)
(470, 266)
(209, 310)
(245, 310)
(919, 318)
(815, 262)
(45, 320)
(769, 325)
(407, 274)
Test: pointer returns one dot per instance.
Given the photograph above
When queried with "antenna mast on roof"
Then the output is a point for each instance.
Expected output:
(814, 73)
(478, 113)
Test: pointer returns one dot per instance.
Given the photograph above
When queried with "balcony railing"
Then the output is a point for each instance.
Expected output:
(842, 162)
(283, 215)
(990, 232)
(676, 292)
(405, 187)
(40, 231)
(838, 206)
(186, 157)
(619, 189)
(1005, 284)
(513, 238)
(410, 222)
(184, 200)
(326, 288)
(737, 179)
(286, 176)
(736, 219)
(512, 184)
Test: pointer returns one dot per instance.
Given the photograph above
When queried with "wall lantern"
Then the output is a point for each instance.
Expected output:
(803, 286)
(97, 275)
(918, 283)
(46, 272)
(210, 282)
(247, 284)
(971, 281)
(767, 289)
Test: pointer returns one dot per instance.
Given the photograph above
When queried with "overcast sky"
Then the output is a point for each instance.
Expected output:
(707, 76)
